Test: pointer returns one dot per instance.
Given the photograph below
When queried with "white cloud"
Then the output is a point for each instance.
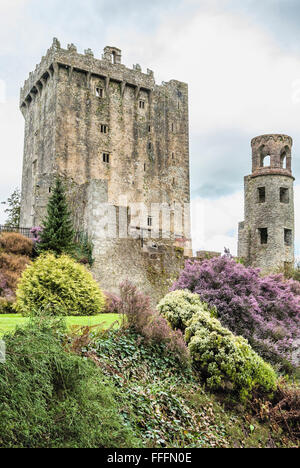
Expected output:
(238, 76)
(215, 222)
(11, 137)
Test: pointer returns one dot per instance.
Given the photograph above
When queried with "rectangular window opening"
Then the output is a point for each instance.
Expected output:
(106, 158)
(142, 104)
(284, 195)
(99, 92)
(150, 221)
(104, 129)
(288, 237)
(261, 194)
(263, 236)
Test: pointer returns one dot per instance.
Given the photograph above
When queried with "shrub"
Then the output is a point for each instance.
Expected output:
(58, 286)
(11, 267)
(225, 360)
(178, 307)
(12, 242)
(7, 305)
(50, 398)
(266, 311)
(112, 303)
(148, 323)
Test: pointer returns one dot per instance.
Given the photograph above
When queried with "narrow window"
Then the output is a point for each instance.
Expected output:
(173, 156)
(150, 220)
(104, 129)
(106, 158)
(99, 92)
(149, 145)
(266, 161)
(172, 127)
(149, 129)
(49, 189)
(288, 237)
(173, 182)
(263, 236)
(145, 167)
(261, 194)
(284, 195)
(142, 104)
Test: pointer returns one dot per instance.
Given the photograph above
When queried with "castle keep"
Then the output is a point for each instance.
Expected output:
(266, 237)
(121, 143)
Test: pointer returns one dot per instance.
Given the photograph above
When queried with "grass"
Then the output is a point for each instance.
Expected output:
(9, 322)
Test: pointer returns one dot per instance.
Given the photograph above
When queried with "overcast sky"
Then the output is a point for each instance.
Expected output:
(240, 58)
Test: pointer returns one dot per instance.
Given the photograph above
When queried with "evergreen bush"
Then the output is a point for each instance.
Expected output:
(58, 286)
(57, 234)
(226, 361)
(178, 307)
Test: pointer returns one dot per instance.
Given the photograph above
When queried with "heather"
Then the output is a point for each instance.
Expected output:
(264, 310)
(140, 317)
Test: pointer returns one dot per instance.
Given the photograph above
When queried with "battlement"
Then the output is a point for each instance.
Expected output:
(109, 67)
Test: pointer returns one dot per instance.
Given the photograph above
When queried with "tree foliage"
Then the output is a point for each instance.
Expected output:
(13, 209)
(58, 233)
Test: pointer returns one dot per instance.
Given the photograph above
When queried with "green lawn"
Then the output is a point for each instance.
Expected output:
(9, 322)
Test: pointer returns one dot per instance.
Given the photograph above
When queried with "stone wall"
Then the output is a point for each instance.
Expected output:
(117, 138)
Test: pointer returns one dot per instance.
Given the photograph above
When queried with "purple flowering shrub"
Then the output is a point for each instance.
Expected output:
(36, 232)
(264, 310)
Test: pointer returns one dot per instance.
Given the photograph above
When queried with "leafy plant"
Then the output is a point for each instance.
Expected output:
(178, 307)
(226, 361)
(264, 310)
(148, 323)
(58, 286)
(53, 399)
(83, 249)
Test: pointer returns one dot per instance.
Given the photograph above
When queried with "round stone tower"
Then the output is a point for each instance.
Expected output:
(266, 237)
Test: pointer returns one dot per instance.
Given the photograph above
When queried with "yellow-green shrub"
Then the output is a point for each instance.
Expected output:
(225, 360)
(178, 307)
(58, 286)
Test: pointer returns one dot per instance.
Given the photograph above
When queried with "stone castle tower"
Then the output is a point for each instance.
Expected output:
(266, 237)
(121, 143)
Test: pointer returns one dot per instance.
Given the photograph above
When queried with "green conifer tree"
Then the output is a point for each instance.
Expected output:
(58, 232)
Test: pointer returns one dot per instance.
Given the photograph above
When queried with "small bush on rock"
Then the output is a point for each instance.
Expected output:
(178, 307)
(58, 286)
(226, 361)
